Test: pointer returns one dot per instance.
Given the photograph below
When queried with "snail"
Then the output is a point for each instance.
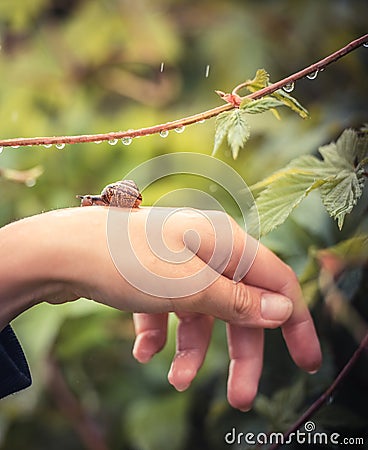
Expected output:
(122, 194)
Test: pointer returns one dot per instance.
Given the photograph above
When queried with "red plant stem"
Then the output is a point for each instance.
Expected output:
(15, 142)
(363, 346)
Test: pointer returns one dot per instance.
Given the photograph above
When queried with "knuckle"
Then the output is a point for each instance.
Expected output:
(242, 306)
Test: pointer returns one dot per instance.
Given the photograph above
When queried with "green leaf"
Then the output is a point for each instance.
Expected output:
(344, 161)
(340, 177)
(234, 126)
(261, 80)
(239, 132)
(274, 408)
(223, 124)
(276, 202)
(341, 194)
(260, 105)
(291, 102)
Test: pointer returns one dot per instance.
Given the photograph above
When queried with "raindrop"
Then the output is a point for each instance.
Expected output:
(180, 129)
(15, 146)
(126, 140)
(202, 121)
(60, 146)
(330, 400)
(1, 149)
(289, 87)
(97, 142)
(162, 67)
(113, 141)
(30, 182)
(313, 75)
(47, 145)
(365, 44)
(164, 133)
(207, 71)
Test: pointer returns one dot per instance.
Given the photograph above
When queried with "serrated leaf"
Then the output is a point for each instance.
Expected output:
(341, 194)
(234, 126)
(276, 202)
(340, 177)
(275, 113)
(260, 81)
(260, 105)
(239, 132)
(291, 102)
(343, 161)
(223, 123)
(305, 165)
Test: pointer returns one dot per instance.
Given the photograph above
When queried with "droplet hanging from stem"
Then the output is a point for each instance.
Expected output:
(164, 133)
(289, 87)
(313, 75)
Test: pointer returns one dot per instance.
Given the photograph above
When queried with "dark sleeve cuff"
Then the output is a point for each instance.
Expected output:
(14, 370)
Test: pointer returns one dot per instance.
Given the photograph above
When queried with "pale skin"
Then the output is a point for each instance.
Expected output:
(63, 255)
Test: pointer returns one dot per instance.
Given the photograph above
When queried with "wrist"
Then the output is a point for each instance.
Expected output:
(34, 252)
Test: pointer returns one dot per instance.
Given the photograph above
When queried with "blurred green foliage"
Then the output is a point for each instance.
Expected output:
(75, 67)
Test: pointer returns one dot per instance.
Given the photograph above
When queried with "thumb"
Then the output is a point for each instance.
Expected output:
(244, 305)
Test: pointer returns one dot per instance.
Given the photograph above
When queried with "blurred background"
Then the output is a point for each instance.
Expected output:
(80, 67)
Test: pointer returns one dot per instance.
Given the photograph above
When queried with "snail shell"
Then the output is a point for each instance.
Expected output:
(122, 194)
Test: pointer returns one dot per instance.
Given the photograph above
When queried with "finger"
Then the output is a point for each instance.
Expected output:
(246, 360)
(239, 304)
(263, 269)
(299, 331)
(151, 333)
(193, 336)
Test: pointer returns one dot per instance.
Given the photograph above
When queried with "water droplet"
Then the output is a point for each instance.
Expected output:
(207, 74)
(97, 142)
(180, 129)
(47, 145)
(112, 141)
(60, 146)
(126, 140)
(289, 87)
(1, 149)
(15, 146)
(164, 133)
(162, 67)
(313, 75)
(30, 182)
(330, 400)
(202, 121)
(365, 44)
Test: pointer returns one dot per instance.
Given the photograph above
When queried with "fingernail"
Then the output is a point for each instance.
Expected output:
(275, 307)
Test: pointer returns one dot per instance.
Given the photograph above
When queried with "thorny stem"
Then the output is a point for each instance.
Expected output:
(15, 142)
(363, 346)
